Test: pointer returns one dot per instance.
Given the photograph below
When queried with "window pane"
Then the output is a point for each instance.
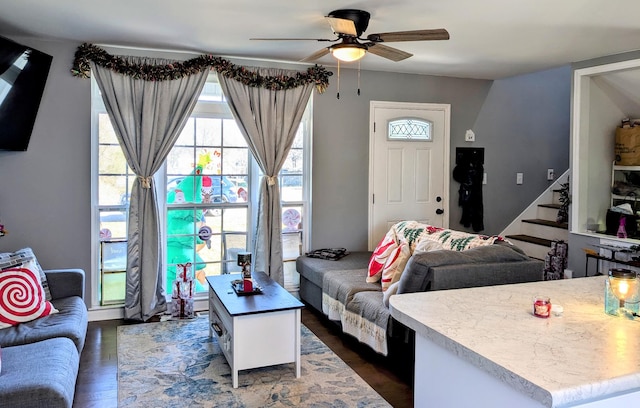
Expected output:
(106, 134)
(114, 256)
(211, 92)
(236, 161)
(291, 243)
(113, 284)
(233, 243)
(208, 132)
(298, 142)
(294, 162)
(180, 161)
(291, 218)
(291, 188)
(111, 160)
(113, 225)
(210, 251)
(242, 189)
(204, 270)
(232, 135)
(235, 219)
(186, 136)
(114, 190)
(182, 190)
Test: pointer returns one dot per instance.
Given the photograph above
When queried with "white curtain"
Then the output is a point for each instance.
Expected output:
(147, 117)
(269, 120)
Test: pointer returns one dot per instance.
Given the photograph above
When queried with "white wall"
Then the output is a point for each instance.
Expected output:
(603, 118)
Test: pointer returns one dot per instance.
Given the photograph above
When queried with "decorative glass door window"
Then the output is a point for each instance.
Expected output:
(410, 129)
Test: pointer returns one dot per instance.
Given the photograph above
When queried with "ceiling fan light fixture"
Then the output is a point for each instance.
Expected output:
(348, 52)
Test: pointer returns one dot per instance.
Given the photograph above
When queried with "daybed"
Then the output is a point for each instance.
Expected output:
(40, 358)
(339, 289)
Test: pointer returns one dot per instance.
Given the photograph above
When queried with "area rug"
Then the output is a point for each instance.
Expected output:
(177, 364)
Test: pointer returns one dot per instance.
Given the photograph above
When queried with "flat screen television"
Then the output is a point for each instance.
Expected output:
(23, 75)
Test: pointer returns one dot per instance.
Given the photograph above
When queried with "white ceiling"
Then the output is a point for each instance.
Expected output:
(489, 38)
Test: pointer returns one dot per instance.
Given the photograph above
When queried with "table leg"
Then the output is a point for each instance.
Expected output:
(234, 378)
(297, 343)
(586, 267)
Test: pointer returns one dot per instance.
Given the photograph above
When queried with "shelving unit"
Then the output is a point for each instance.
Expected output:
(629, 178)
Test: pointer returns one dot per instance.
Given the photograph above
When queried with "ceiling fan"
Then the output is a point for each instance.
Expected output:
(349, 25)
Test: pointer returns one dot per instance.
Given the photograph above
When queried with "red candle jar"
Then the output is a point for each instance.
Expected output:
(247, 285)
(541, 306)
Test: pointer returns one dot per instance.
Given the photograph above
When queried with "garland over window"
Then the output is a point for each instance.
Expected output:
(89, 52)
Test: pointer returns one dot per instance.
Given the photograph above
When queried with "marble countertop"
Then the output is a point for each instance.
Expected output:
(583, 355)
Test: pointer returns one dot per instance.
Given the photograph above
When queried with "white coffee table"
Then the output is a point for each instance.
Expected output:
(256, 330)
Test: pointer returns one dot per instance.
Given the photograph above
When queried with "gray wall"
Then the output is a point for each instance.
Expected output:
(524, 125)
(45, 192)
(522, 122)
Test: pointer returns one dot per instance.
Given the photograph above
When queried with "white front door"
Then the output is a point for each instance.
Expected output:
(408, 165)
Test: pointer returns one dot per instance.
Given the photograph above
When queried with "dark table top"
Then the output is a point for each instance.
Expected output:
(273, 297)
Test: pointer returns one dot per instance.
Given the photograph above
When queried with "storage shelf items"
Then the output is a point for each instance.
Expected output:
(625, 186)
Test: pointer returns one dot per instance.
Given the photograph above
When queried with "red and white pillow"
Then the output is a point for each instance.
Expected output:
(12, 259)
(22, 297)
(380, 256)
(388, 260)
(395, 264)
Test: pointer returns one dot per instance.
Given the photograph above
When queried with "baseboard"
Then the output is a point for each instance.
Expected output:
(117, 312)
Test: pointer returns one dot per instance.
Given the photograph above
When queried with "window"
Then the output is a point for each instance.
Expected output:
(294, 177)
(207, 173)
(208, 201)
(410, 129)
(115, 179)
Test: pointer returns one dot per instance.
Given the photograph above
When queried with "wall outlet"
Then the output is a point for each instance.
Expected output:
(550, 174)
(469, 136)
(519, 178)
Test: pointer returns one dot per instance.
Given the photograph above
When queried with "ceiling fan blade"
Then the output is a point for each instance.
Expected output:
(415, 35)
(342, 26)
(291, 39)
(316, 55)
(387, 52)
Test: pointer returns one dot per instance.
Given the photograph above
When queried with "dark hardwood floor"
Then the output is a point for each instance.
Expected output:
(97, 378)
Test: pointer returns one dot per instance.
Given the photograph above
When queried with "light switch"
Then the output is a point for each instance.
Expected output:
(550, 174)
(519, 178)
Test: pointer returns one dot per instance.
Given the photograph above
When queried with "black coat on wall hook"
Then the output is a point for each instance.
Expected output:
(469, 172)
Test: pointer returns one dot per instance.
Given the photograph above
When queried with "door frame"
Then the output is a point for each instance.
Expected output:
(446, 108)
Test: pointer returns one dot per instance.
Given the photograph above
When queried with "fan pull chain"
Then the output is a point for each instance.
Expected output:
(358, 77)
(338, 95)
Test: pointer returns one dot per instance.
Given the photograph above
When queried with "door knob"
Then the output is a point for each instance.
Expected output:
(439, 211)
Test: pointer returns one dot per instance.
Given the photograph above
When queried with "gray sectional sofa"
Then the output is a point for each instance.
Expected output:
(339, 289)
(40, 358)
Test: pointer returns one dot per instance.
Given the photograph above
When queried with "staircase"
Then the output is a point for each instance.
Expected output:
(535, 229)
